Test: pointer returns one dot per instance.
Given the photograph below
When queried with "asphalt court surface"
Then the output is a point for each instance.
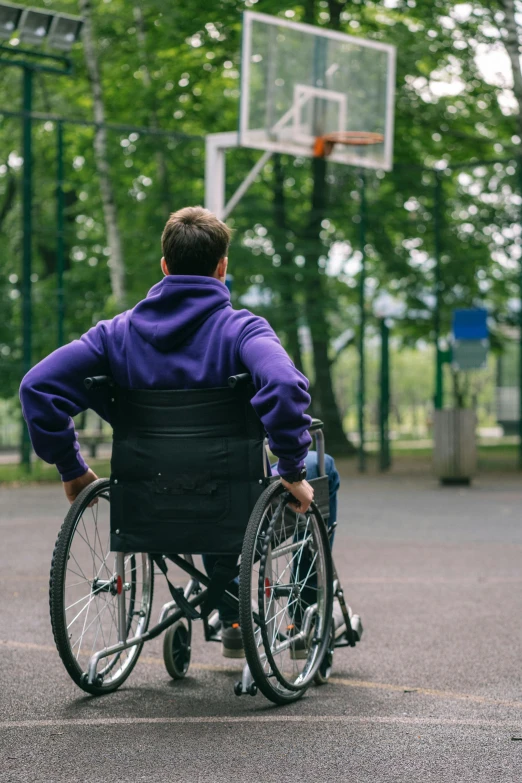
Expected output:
(433, 692)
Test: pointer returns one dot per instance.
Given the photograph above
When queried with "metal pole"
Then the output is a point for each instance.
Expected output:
(362, 323)
(122, 611)
(520, 337)
(60, 240)
(384, 461)
(27, 247)
(437, 220)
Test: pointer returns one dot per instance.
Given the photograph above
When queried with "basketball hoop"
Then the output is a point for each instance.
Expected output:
(324, 145)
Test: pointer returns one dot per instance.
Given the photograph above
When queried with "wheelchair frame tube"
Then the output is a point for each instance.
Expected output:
(122, 614)
(145, 637)
(152, 633)
(319, 443)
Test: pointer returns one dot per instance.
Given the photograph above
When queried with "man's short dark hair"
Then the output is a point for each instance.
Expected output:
(193, 242)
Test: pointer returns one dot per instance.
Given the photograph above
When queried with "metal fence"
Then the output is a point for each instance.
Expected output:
(394, 234)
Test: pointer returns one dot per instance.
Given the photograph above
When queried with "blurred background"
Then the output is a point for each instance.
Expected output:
(360, 272)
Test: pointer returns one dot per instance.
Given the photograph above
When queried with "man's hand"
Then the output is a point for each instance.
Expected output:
(73, 488)
(302, 492)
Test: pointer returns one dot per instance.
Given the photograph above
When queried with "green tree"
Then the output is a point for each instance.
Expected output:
(174, 69)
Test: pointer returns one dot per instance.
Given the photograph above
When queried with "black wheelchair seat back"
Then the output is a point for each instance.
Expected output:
(186, 469)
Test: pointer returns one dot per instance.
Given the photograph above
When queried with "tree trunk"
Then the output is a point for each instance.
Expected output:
(161, 162)
(323, 401)
(335, 9)
(512, 46)
(325, 404)
(116, 265)
(290, 314)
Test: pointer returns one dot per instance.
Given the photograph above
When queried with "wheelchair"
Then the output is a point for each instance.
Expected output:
(190, 475)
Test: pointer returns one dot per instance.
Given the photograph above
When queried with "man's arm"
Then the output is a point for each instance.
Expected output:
(52, 392)
(281, 397)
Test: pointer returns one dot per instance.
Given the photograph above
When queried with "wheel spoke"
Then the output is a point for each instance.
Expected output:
(91, 598)
(79, 566)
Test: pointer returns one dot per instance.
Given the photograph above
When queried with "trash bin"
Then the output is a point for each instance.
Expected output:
(455, 452)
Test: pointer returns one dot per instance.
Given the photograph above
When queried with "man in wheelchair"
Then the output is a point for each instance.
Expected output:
(183, 335)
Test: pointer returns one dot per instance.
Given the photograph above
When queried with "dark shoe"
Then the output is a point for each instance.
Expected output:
(232, 641)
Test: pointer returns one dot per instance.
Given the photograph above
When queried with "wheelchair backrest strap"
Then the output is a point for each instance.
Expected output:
(176, 592)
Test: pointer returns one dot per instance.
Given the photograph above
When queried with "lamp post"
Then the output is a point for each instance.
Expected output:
(58, 31)
(520, 338)
(437, 226)
(361, 396)
(386, 308)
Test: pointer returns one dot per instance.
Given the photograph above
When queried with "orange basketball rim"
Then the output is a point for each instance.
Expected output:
(324, 145)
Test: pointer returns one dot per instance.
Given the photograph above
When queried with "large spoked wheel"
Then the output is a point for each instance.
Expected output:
(84, 588)
(285, 595)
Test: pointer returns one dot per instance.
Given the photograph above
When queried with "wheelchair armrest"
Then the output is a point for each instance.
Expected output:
(98, 382)
(316, 424)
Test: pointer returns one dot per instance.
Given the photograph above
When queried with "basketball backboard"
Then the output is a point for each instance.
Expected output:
(300, 83)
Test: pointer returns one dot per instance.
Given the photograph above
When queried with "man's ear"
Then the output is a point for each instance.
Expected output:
(164, 267)
(221, 271)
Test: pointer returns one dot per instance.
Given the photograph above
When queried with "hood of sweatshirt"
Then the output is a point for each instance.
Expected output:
(176, 307)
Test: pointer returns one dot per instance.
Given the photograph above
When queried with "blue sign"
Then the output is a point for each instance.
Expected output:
(471, 324)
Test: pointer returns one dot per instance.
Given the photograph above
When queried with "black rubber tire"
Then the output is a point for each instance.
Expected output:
(56, 592)
(272, 493)
(177, 643)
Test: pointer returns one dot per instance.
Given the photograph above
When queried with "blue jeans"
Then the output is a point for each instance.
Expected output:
(226, 613)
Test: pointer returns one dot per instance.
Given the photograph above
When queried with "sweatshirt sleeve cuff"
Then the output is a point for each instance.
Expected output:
(289, 466)
(72, 468)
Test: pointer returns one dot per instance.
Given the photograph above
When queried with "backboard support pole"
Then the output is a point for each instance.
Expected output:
(242, 189)
(216, 145)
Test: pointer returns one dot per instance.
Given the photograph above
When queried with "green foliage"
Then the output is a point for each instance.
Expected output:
(411, 382)
(176, 67)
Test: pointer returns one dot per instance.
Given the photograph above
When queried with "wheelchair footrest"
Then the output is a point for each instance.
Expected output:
(342, 639)
(357, 626)
(212, 628)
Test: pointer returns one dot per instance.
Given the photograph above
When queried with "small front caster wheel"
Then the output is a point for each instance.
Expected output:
(252, 689)
(238, 688)
(98, 680)
(177, 648)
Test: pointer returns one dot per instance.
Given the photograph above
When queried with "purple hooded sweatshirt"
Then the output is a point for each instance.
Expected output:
(184, 335)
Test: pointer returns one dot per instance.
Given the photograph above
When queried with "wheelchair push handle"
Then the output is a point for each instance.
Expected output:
(242, 379)
(98, 382)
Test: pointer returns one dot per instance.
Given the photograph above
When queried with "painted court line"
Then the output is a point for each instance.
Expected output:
(477, 581)
(275, 719)
(337, 680)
